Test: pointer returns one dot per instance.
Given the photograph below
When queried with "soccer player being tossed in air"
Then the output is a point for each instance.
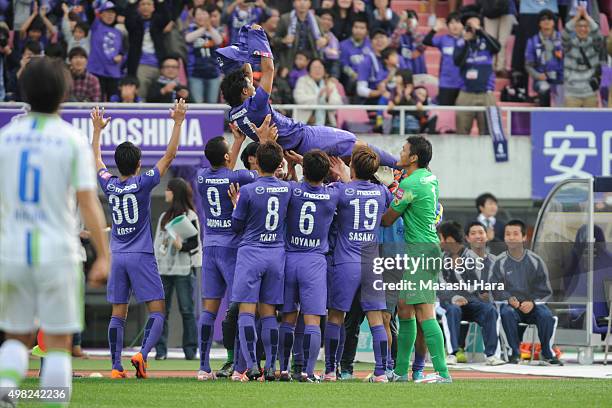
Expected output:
(311, 211)
(416, 201)
(360, 209)
(133, 267)
(221, 243)
(48, 168)
(250, 106)
(260, 262)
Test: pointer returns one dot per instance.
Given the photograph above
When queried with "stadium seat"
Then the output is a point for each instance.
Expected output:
(446, 121)
(603, 24)
(351, 116)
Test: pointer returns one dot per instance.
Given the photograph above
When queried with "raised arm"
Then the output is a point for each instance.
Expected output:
(239, 138)
(99, 123)
(178, 115)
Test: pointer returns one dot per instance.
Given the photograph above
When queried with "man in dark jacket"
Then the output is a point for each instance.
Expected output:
(145, 23)
(167, 88)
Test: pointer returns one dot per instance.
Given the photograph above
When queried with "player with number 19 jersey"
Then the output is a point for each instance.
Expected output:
(134, 268)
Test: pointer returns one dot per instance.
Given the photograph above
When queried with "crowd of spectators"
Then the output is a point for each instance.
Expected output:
(349, 51)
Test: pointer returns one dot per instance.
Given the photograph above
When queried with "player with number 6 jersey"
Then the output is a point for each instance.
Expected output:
(133, 266)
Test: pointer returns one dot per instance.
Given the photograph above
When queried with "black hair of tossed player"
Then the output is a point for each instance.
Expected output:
(236, 88)
(269, 157)
(44, 84)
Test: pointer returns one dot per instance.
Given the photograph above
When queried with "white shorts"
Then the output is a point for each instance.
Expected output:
(47, 296)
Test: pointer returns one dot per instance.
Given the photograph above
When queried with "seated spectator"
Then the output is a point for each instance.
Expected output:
(469, 305)
(428, 124)
(402, 96)
(583, 48)
(145, 23)
(106, 57)
(8, 62)
(167, 89)
(352, 53)
(525, 279)
(474, 56)
(410, 43)
(487, 207)
(383, 17)
(240, 13)
(330, 53)
(544, 59)
(300, 68)
(345, 12)
(299, 31)
(30, 49)
(499, 18)
(450, 76)
(372, 75)
(316, 88)
(75, 32)
(128, 91)
(281, 90)
(85, 86)
(202, 67)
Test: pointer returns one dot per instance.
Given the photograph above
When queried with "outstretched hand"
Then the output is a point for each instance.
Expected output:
(98, 119)
(337, 169)
(266, 132)
(179, 111)
(234, 192)
(238, 135)
(293, 158)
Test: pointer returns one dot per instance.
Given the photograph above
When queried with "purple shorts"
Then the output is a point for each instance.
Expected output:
(259, 276)
(305, 283)
(349, 279)
(218, 271)
(334, 142)
(133, 272)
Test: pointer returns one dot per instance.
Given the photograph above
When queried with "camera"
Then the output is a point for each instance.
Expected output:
(594, 83)
(4, 37)
(469, 29)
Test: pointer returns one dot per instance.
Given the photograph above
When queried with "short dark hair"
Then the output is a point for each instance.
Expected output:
(215, 151)
(232, 86)
(37, 24)
(422, 148)
(321, 12)
(168, 57)
(406, 75)
(546, 14)
(315, 165)
(454, 16)
(387, 52)
(314, 60)
(451, 229)
(304, 53)
(482, 199)
(211, 8)
(44, 84)
(365, 162)
(77, 52)
(249, 151)
(517, 223)
(360, 19)
(127, 158)
(82, 25)
(474, 223)
(33, 46)
(269, 156)
(129, 80)
(55, 51)
(378, 31)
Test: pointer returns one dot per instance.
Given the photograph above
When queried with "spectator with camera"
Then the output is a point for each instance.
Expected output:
(410, 43)
(473, 55)
(584, 55)
(544, 59)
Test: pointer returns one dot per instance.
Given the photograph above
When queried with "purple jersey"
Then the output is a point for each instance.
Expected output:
(213, 185)
(450, 75)
(255, 109)
(262, 208)
(309, 216)
(360, 209)
(130, 205)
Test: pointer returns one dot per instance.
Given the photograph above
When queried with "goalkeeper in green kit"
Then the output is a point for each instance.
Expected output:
(416, 201)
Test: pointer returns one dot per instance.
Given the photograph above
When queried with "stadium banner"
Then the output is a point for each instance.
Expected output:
(150, 129)
(569, 144)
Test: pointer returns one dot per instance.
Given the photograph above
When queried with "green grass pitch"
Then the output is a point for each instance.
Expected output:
(187, 392)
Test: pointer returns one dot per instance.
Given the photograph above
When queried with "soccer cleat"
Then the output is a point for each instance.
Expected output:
(251, 374)
(310, 378)
(554, 361)
(345, 375)
(377, 378)
(494, 361)
(434, 379)
(226, 370)
(461, 357)
(451, 359)
(269, 374)
(338, 373)
(513, 359)
(204, 376)
(417, 375)
(330, 377)
(140, 365)
(236, 376)
(37, 351)
(297, 372)
(285, 376)
(116, 374)
(391, 376)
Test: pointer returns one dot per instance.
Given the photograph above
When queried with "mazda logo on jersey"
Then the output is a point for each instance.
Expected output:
(260, 190)
(297, 192)
(349, 191)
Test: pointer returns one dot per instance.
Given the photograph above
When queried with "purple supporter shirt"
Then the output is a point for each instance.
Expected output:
(213, 186)
(360, 209)
(262, 207)
(309, 217)
(352, 55)
(450, 74)
(372, 70)
(130, 205)
(108, 43)
(255, 109)
(296, 74)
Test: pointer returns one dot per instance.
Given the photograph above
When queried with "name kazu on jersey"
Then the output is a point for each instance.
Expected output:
(271, 236)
